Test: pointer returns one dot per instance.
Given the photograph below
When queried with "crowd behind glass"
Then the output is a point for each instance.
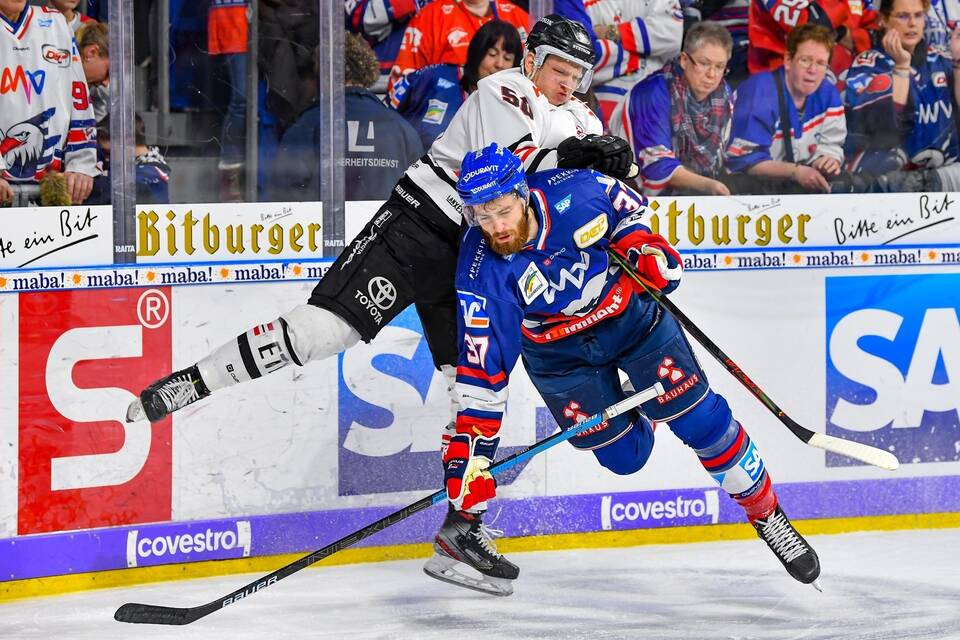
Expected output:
(716, 97)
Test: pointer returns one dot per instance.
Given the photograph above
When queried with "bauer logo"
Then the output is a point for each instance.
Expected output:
(893, 365)
(188, 543)
(393, 405)
(621, 512)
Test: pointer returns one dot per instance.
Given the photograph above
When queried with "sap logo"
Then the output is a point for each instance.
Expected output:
(899, 399)
(752, 463)
(474, 309)
(392, 407)
(443, 83)
(930, 113)
(564, 204)
(45, 22)
(893, 363)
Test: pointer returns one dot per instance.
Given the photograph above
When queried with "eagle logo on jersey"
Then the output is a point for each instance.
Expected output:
(27, 145)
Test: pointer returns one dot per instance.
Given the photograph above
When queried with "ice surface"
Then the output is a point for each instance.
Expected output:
(877, 585)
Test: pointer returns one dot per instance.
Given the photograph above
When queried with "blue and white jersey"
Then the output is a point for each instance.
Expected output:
(943, 18)
(644, 120)
(559, 284)
(756, 132)
(428, 98)
(923, 134)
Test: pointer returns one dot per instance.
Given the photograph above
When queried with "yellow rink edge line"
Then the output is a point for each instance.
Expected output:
(56, 585)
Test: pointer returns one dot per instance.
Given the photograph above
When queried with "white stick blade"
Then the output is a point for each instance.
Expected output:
(856, 450)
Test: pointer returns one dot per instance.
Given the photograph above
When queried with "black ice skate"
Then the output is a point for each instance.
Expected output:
(464, 538)
(797, 556)
(166, 395)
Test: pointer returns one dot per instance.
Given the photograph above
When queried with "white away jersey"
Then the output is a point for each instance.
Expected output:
(46, 120)
(507, 109)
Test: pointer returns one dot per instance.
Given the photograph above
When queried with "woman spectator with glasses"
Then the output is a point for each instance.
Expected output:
(428, 97)
(788, 125)
(902, 99)
(678, 119)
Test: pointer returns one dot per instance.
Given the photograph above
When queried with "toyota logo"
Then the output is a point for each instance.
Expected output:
(382, 292)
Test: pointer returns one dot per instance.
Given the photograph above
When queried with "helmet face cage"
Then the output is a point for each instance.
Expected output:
(486, 175)
(476, 214)
(544, 50)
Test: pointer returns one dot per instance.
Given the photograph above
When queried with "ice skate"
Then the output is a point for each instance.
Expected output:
(464, 539)
(168, 394)
(796, 554)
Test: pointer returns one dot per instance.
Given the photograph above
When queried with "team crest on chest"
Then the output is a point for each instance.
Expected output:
(532, 283)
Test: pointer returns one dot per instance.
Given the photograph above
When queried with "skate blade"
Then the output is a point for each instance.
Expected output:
(816, 585)
(443, 568)
(135, 411)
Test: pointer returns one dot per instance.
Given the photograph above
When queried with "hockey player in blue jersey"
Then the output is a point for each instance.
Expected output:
(902, 99)
(534, 280)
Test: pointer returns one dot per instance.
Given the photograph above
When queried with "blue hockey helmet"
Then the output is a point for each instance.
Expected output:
(488, 174)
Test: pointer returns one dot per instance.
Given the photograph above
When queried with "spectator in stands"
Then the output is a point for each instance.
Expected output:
(771, 20)
(943, 18)
(75, 19)
(902, 100)
(227, 38)
(788, 125)
(289, 35)
(152, 170)
(429, 97)
(631, 40)
(732, 15)
(380, 143)
(46, 130)
(678, 119)
(382, 23)
(94, 47)
(441, 32)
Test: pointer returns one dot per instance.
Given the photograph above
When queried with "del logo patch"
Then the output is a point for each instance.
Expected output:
(532, 283)
(591, 232)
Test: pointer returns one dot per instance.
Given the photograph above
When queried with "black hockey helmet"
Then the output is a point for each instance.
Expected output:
(565, 38)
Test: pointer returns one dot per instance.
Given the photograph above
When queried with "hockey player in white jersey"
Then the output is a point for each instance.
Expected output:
(631, 38)
(407, 253)
(46, 120)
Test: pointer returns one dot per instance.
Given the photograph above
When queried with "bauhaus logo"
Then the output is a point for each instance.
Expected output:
(694, 508)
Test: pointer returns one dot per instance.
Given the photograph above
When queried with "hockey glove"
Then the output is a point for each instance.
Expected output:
(654, 259)
(610, 155)
(465, 461)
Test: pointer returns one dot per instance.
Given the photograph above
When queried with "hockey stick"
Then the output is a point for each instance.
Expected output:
(156, 614)
(855, 450)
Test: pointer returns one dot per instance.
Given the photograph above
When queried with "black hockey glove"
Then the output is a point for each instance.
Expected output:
(607, 154)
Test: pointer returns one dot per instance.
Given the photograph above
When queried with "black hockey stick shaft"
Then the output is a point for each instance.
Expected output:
(857, 450)
(157, 614)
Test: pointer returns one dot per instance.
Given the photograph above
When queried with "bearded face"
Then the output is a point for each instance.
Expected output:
(507, 239)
